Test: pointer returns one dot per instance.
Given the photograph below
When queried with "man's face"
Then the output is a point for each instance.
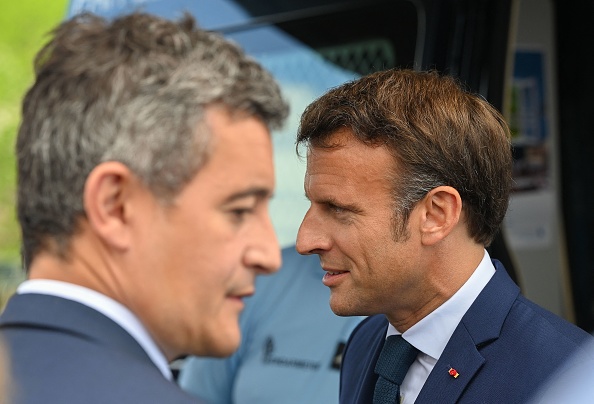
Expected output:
(200, 256)
(350, 226)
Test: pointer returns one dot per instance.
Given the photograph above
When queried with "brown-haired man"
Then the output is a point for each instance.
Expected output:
(409, 178)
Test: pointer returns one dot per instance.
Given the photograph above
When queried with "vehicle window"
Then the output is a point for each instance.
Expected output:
(310, 46)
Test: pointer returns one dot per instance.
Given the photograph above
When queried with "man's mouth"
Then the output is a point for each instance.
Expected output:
(240, 295)
(333, 277)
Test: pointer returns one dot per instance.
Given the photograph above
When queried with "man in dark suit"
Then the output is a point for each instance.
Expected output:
(144, 175)
(409, 178)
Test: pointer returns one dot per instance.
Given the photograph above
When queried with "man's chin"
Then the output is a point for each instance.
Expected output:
(223, 353)
(225, 345)
(340, 309)
(347, 307)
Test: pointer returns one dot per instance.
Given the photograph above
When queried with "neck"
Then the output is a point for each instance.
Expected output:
(447, 273)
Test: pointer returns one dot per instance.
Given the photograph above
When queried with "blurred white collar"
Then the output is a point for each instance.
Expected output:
(106, 306)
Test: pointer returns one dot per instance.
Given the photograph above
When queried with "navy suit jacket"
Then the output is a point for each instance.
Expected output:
(65, 352)
(504, 349)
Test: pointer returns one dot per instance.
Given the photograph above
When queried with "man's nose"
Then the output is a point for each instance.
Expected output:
(264, 254)
(311, 237)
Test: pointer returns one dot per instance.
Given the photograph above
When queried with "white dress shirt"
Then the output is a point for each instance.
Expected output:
(105, 305)
(432, 333)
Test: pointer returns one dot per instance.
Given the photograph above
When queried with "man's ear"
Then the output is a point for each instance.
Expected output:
(107, 193)
(442, 211)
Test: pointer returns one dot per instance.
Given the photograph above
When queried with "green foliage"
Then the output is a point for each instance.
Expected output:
(24, 25)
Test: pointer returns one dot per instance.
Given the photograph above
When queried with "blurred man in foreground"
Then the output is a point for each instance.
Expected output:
(144, 176)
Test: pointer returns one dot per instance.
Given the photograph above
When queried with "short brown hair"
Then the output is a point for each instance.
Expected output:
(438, 133)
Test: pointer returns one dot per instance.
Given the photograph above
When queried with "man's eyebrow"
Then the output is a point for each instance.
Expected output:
(330, 201)
(258, 192)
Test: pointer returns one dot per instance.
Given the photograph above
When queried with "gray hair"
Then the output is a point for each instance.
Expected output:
(133, 90)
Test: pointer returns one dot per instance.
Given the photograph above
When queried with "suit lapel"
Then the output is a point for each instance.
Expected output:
(480, 326)
(357, 376)
(367, 385)
(464, 358)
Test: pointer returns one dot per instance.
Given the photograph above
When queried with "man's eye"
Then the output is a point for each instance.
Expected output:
(240, 214)
(336, 209)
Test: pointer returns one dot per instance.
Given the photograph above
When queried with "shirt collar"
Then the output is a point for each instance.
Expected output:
(106, 306)
(432, 333)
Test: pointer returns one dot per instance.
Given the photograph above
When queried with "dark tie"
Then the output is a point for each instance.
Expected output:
(395, 358)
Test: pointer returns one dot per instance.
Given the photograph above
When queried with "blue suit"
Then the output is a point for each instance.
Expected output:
(65, 352)
(504, 349)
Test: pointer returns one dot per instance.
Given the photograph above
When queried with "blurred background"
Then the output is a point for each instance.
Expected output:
(23, 28)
